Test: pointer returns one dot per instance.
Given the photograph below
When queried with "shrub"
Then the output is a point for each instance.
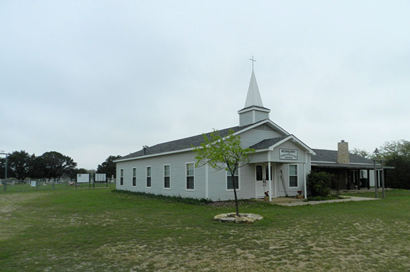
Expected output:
(319, 183)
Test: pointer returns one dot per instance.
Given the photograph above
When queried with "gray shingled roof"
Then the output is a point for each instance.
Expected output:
(268, 142)
(323, 155)
(180, 144)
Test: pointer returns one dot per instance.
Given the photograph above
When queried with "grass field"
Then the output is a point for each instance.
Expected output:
(101, 230)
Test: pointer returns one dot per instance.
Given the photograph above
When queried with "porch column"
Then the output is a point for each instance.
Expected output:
(270, 181)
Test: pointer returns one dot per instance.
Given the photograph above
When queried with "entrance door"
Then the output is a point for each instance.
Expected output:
(260, 183)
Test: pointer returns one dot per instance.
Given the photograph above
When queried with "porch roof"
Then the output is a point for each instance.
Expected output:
(264, 144)
(271, 143)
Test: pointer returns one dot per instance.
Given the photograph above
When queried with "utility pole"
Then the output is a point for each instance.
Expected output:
(376, 152)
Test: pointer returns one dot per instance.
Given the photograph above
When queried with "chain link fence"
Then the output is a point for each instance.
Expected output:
(10, 185)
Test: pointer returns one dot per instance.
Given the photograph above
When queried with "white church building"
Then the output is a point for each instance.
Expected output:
(278, 167)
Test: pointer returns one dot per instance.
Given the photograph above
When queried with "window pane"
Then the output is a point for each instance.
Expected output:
(293, 181)
(190, 169)
(122, 172)
(230, 183)
(166, 182)
(293, 170)
(148, 171)
(134, 172)
(134, 181)
(148, 181)
(190, 182)
(258, 172)
(166, 170)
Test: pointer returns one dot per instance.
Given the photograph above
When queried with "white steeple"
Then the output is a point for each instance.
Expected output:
(253, 98)
(254, 111)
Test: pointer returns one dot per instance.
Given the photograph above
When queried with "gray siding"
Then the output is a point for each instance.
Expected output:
(218, 184)
(246, 118)
(288, 145)
(177, 181)
(258, 134)
(292, 191)
(260, 115)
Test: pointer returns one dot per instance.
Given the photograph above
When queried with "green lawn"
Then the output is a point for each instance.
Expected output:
(101, 230)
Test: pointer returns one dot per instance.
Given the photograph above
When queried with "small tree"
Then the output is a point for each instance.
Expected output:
(223, 153)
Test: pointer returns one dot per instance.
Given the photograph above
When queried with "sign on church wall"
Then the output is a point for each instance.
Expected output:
(288, 154)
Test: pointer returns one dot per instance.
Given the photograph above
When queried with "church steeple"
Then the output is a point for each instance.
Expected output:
(254, 111)
(253, 98)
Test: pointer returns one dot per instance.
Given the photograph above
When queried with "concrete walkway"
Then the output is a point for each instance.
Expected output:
(302, 203)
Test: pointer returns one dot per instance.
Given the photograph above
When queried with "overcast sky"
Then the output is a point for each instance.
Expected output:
(97, 78)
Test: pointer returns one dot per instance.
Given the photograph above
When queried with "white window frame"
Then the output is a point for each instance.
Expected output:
(186, 176)
(146, 176)
(297, 176)
(163, 174)
(228, 174)
(122, 177)
(134, 176)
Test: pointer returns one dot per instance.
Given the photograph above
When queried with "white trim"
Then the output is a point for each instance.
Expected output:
(132, 177)
(186, 189)
(359, 163)
(226, 180)
(146, 176)
(163, 176)
(297, 176)
(269, 177)
(294, 139)
(304, 178)
(262, 123)
(254, 108)
(266, 121)
(155, 155)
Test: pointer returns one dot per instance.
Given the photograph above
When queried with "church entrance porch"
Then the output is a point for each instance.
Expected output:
(278, 179)
(269, 180)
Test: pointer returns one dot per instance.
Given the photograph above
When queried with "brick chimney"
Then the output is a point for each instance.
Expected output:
(343, 152)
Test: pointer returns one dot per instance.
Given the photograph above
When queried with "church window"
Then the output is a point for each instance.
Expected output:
(190, 176)
(148, 176)
(167, 176)
(121, 176)
(134, 177)
(231, 183)
(293, 176)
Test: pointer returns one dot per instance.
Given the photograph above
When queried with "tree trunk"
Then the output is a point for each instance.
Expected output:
(236, 197)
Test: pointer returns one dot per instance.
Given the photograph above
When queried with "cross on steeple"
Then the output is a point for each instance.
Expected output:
(253, 60)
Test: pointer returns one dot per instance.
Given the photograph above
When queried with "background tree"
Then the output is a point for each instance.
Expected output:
(396, 154)
(223, 153)
(108, 166)
(19, 163)
(56, 164)
(2, 164)
(361, 152)
(37, 167)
